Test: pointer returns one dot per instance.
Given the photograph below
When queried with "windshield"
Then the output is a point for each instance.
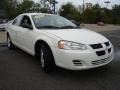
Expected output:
(52, 21)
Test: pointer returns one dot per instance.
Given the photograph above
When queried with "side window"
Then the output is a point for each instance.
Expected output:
(17, 21)
(26, 21)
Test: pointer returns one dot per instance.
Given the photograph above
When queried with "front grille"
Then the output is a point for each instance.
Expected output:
(107, 43)
(100, 53)
(109, 50)
(96, 46)
(102, 61)
(77, 63)
(103, 47)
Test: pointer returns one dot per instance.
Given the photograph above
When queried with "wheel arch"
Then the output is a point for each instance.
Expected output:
(39, 42)
(37, 46)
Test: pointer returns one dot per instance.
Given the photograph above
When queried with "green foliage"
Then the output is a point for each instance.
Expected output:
(116, 14)
(92, 15)
(24, 7)
(69, 11)
(11, 11)
(2, 4)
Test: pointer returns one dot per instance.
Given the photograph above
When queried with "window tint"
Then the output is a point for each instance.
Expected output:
(51, 21)
(26, 20)
(17, 21)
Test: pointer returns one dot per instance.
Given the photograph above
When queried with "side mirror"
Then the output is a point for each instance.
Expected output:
(25, 25)
(75, 22)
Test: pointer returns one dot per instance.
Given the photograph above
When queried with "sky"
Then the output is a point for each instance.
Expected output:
(80, 2)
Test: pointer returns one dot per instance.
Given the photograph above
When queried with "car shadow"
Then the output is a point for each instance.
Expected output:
(90, 73)
(60, 73)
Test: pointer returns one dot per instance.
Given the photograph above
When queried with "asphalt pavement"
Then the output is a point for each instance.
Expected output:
(21, 71)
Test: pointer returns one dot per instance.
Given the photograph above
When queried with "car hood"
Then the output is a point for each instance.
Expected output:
(83, 36)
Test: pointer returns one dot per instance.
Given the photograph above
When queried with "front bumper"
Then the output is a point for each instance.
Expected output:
(2, 28)
(80, 59)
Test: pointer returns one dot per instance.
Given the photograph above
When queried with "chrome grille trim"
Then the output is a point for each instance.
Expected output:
(102, 61)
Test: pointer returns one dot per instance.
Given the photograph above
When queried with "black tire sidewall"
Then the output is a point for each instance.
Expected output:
(11, 44)
(48, 58)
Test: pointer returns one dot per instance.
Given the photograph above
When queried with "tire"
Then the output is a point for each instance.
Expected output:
(46, 58)
(9, 43)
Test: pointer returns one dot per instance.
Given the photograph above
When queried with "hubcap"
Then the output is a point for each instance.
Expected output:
(42, 59)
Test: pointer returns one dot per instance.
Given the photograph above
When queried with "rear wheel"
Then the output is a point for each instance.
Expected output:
(46, 58)
(9, 43)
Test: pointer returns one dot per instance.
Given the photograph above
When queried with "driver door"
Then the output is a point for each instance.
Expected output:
(25, 35)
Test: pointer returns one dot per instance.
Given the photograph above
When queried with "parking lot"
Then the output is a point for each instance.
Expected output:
(21, 71)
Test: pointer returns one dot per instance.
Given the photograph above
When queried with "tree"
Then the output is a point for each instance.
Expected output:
(13, 11)
(116, 14)
(24, 7)
(93, 14)
(96, 14)
(107, 15)
(42, 6)
(69, 11)
(90, 16)
(10, 10)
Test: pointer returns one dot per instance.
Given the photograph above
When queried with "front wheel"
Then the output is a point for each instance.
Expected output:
(46, 58)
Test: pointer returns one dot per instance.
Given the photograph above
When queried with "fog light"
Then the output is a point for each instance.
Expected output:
(77, 63)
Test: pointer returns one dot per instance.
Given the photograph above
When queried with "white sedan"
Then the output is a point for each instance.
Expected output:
(3, 26)
(58, 42)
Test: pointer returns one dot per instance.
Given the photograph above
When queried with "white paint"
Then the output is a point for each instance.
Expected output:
(26, 39)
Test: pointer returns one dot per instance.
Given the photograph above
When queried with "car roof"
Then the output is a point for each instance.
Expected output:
(30, 14)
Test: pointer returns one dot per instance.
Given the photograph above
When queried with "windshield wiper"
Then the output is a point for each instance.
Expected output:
(53, 27)
(69, 27)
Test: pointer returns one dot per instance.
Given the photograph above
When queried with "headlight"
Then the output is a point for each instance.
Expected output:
(71, 45)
